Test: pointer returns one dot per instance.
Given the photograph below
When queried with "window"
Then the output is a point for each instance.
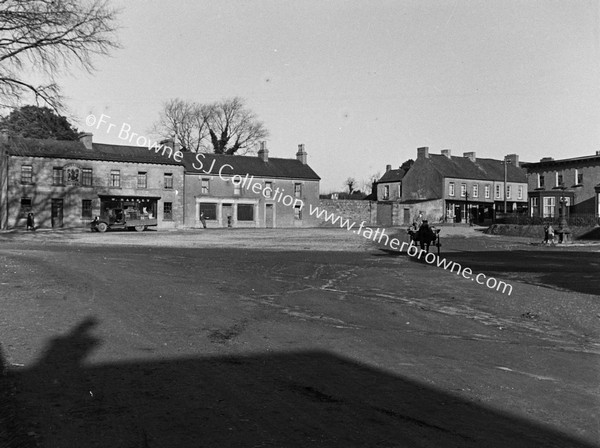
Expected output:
(245, 212)
(115, 178)
(559, 180)
(579, 177)
(520, 193)
(168, 181)
(142, 179)
(298, 190)
(534, 207)
(25, 206)
(298, 213)
(26, 174)
(487, 191)
(475, 191)
(497, 191)
(463, 190)
(57, 176)
(451, 189)
(168, 211)
(268, 189)
(209, 209)
(541, 181)
(386, 192)
(549, 203)
(508, 191)
(86, 208)
(236, 189)
(86, 177)
(205, 187)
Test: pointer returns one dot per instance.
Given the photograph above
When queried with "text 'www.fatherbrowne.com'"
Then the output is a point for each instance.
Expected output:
(379, 236)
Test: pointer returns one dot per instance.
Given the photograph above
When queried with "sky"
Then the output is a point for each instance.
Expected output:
(362, 84)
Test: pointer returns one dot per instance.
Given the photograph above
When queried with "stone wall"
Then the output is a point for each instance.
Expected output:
(354, 210)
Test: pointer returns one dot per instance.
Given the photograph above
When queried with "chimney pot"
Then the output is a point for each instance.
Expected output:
(263, 152)
(86, 139)
(470, 156)
(447, 153)
(301, 155)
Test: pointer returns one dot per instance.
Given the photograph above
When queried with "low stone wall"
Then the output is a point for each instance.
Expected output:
(537, 231)
(355, 210)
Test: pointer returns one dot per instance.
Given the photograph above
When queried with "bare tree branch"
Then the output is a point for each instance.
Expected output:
(47, 37)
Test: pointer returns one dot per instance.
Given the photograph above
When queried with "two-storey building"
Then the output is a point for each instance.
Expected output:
(67, 183)
(574, 182)
(443, 187)
(250, 191)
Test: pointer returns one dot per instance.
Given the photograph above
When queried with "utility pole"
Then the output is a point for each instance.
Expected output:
(505, 188)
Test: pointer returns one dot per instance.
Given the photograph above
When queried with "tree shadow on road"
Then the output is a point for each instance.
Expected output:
(296, 399)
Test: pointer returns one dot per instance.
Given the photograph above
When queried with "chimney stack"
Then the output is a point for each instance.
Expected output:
(301, 154)
(446, 152)
(86, 139)
(470, 156)
(263, 152)
(387, 168)
(423, 152)
(513, 159)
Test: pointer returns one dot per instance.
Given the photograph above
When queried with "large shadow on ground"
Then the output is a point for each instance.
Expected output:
(577, 271)
(298, 399)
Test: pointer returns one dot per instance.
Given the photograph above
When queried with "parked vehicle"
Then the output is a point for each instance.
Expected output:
(118, 218)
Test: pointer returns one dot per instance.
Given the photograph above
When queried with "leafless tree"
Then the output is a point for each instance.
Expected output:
(41, 38)
(351, 184)
(367, 184)
(224, 127)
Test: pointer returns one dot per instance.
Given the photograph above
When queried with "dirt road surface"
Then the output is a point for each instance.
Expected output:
(294, 338)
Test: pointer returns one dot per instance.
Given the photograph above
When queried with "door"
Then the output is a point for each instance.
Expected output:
(228, 215)
(407, 216)
(57, 212)
(269, 216)
(384, 214)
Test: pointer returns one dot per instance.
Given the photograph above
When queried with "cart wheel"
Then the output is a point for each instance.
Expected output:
(102, 227)
(140, 228)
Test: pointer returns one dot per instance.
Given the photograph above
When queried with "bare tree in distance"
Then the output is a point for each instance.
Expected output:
(223, 127)
(351, 184)
(46, 37)
(367, 184)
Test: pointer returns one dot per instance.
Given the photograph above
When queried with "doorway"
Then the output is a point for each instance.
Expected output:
(57, 213)
(269, 216)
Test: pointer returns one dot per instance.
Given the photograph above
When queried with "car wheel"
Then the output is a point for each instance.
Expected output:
(102, 227)
(140, 228)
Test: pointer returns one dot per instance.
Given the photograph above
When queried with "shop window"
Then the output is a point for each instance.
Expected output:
(115, 178)
(58, 176)
(168, 211)
(549, 206)
(245, 212)
(26, 174)
(168, 181)
(86, 208)
(209, 209)
(86, 177)
(142, 179)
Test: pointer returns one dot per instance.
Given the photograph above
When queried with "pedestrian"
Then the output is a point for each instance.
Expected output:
(420, 219)
(425, 235)
(550, 234)
(203, 219)
(30, 222)
(412, 232)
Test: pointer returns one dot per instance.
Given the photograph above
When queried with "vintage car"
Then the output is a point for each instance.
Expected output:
(118, 218)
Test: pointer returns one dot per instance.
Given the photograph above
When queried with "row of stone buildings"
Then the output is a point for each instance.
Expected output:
(443, 187)
(68, 183)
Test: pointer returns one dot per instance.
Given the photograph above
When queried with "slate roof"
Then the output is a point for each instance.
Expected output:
(251, 165)
(392, 176)
(65, 149)
(481, 169)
